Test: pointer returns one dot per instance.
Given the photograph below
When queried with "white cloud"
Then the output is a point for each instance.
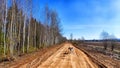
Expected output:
(78, 27)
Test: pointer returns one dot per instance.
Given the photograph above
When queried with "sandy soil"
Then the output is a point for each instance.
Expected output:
(63, 58)
(60, 57)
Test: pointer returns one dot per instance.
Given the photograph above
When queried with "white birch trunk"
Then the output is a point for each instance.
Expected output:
(24, 34)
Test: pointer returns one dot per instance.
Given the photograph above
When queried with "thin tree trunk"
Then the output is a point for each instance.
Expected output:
(11, 32)
(5, 27)
(24, 34)
(19, 34)
(35, 36)
(28, 36)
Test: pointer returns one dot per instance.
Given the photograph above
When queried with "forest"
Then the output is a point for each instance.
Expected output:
(21, 33)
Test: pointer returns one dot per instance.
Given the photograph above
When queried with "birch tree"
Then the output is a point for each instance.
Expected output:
(30, 13)
(11, 28)
(19, 30)
(2, 11)
(47, 22)
(19, 3)
(55, 27)
(24, 26)
(5, 26)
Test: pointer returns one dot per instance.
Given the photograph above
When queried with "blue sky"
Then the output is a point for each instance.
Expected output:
(87, 18)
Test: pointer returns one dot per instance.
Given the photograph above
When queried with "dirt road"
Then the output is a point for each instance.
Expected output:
(63, 58)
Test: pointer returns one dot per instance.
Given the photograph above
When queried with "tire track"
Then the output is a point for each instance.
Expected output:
(61, 59)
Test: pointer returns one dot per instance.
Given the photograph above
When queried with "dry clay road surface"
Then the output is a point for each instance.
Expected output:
(63, 58)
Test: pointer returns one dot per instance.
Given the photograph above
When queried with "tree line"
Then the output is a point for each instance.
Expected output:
(21, 33)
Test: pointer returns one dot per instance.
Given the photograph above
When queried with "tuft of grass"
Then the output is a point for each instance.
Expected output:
(31, 49)
(1, 49)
